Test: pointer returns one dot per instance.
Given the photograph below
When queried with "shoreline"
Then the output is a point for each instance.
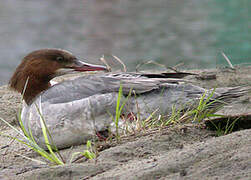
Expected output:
(188, 151)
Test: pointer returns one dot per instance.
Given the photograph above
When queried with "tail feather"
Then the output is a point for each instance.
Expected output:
(227, 95)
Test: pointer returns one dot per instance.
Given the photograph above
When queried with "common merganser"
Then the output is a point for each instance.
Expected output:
(75, 110)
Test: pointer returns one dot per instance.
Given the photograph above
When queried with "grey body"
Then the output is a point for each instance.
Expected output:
(74, 110)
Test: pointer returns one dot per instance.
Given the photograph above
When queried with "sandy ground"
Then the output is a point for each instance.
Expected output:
(188, 151)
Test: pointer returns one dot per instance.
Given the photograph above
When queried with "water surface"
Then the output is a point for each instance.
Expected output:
(167, 31)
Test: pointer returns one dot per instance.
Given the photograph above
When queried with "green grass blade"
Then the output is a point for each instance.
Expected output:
(19, 132)
(46, 139)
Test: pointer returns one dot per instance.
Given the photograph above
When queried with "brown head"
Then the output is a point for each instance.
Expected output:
(36, 70)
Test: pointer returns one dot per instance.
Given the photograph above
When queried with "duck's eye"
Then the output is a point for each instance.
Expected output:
(60, 58)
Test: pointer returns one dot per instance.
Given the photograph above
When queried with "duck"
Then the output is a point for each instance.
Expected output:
(75, 110)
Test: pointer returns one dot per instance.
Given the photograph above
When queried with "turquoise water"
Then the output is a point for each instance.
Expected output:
(234, 34)
(170, 32)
